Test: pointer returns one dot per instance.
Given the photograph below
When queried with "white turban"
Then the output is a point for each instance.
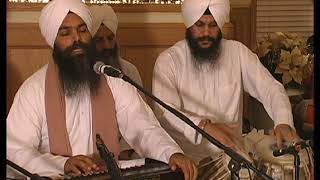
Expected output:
(54, 13)
(192, 10)
(103, 14)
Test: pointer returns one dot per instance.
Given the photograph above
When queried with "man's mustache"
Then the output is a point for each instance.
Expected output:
(206, 38)
(105, 53)
(78, 45)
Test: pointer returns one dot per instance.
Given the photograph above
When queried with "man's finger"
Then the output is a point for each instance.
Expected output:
(90, 163)
(238, 144)
(190, 168)
(185, 172)
(233, 144)
(288, 137)
(296, 138)
(278, 138)
(284, 132)
(74, 170)
(195, 172)
(84, 167)
(173, 166)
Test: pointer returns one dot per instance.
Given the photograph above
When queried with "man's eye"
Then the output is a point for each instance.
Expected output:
(199, 24)
(83, 29)
(213, 25)
(99, 40)
(110, 38)
(64, 33)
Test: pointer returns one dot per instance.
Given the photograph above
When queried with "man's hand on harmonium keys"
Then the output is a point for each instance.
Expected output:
(82, 165)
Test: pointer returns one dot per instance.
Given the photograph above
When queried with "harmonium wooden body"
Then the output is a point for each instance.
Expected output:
(152, 170)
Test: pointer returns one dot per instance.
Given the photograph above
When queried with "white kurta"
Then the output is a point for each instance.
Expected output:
(131, 71)
(213, 92)
(27, 133)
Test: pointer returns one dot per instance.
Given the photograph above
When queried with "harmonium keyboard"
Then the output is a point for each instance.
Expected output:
(152, 170)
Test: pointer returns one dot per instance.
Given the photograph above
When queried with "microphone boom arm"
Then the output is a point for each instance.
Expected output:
(214, 141)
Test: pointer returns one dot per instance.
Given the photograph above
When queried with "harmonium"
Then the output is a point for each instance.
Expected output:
(151, 170)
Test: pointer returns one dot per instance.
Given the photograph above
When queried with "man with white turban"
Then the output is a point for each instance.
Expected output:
(104, 33)
(204, 76)
(59, 110)
(104, 30)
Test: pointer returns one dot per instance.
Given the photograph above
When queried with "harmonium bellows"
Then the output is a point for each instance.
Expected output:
(152, 170)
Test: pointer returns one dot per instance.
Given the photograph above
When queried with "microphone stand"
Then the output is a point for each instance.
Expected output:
(238, 160)
(24, 172)
(107, 156)
(293, 150)
(234, 168)
(296, 165)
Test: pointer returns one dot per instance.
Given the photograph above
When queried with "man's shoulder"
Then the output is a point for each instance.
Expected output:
(232, 44)
(179, 47)
(128, 67)
(126, 63)
(36, 79)
(118, 85)
(39, 74)
(130, 70)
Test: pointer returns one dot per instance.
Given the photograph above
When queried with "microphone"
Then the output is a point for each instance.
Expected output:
(107, 156)
(293, 149)
(101, 68)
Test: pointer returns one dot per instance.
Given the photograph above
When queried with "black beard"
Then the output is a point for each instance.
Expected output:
(76, 72)
(109, 56)
(204, 55)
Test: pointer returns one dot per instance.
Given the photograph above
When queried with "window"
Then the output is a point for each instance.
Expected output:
(285, 16)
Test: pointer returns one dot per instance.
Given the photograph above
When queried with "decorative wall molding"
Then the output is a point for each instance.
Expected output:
(124, 7)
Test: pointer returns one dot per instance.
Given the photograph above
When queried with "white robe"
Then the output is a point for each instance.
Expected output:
(27, 133)
(131, 71)
(213, 92)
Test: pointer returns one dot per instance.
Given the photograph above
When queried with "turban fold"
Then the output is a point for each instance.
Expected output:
(54, 13)
(103, 14)
(192, 10)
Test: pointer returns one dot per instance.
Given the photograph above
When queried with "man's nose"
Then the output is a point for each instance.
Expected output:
(106, 44)
(76, 36)
(206, 30)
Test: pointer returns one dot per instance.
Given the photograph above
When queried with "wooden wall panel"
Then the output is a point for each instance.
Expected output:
(144, 59)
(22, 63)
(25, 35)
(158, 34)
(243, 21)
(140, 43)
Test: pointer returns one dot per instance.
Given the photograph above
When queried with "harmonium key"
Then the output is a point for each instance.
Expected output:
(152, 170)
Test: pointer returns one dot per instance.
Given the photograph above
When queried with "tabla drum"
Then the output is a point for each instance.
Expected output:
(282, 167)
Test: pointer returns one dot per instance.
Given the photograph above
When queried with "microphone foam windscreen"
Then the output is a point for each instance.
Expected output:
(97, 67)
